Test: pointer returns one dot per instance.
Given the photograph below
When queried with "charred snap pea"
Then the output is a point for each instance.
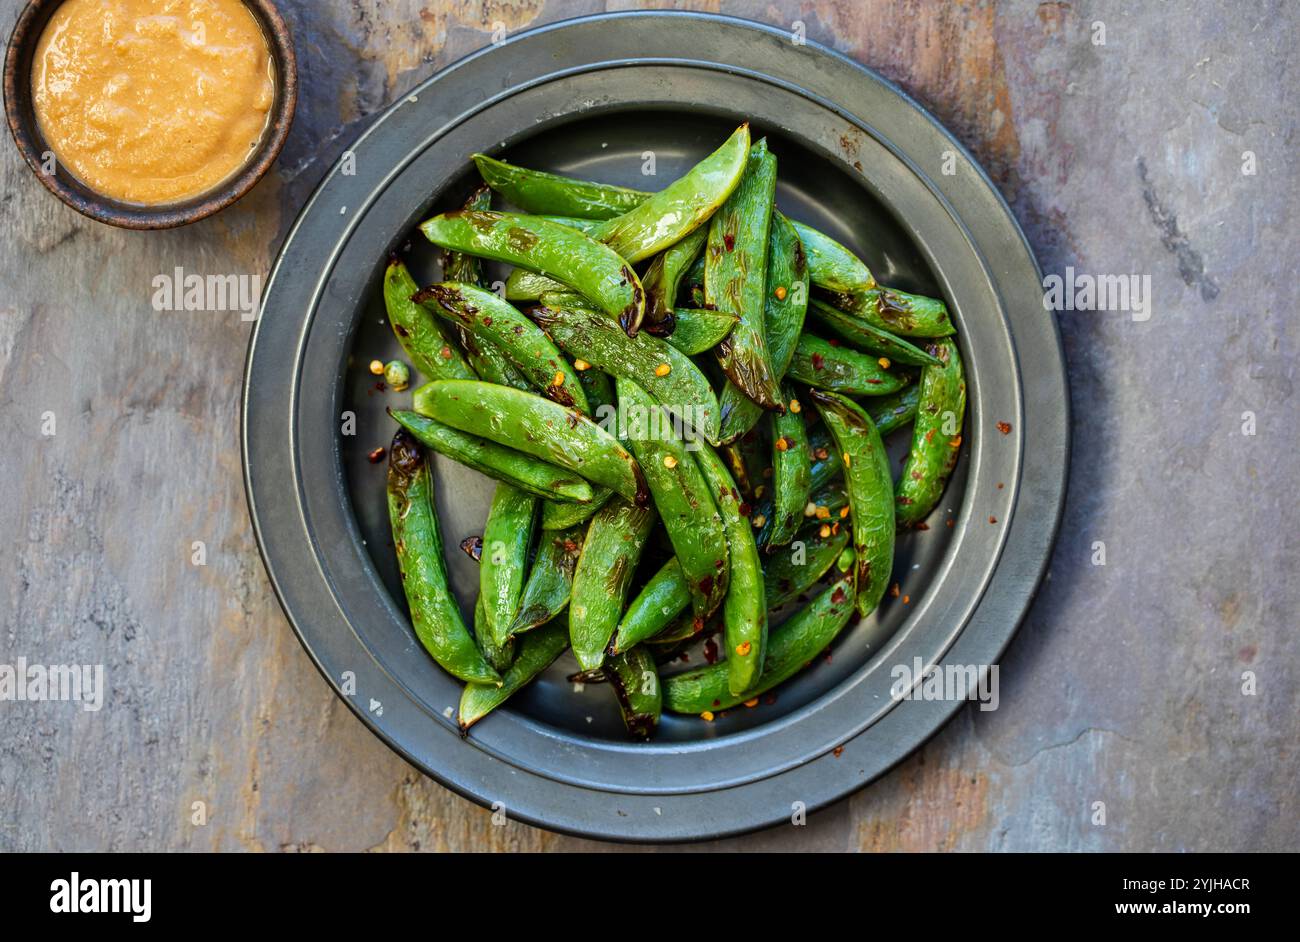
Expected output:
(794, 644)
(420, 335)
(831, 265)
(663, 371)
(559, 515)
(793, 570)
(784, 308)
(791, 472)
(735, 278)
(893, 412)
(535, 426)
(824, 365)
(458, 266)
(615, 538)
(744, 613)
(697, 330)
(537, 650)
(908, 315)
(873, 340)
(506, 538)
(535, 191)
(870, 486)
(546, 593)
(500, 656)
(418, 541)
(592, 269)
(655, 607)
(497, 322)
(681, 495)
(936, 437)
(635, 680)
(827, 504)
(665, 274)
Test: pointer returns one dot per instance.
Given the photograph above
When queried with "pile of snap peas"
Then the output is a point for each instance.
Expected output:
(681, 393)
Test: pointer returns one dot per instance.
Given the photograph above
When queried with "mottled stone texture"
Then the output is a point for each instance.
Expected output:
(1124, 685)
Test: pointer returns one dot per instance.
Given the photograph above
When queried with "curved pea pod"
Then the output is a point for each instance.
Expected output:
(793, 646)
(500, 656)
(546, 593)
(893, 412)
(681, 207)
(744, 612)
(665, 596)
(823, 365)
(418, 542)
(525, 285)
(794, 570)
(550, 194)
(873, 340)
(831, 265)
(662, 370)
(784, 308)
(907, 315)
(692, 285)
(695, 330)
(537, 651)
(550, 248)
(615, 539)
(936, 436)
(685, 627)
(562, 516)
(497, 322)
(635, 680)
(664, 276)
(420, 335)
(559, 515)
(507, 535)
(489, 362)
(827, 464)
(459, 266)
(826, 505)
(497, 461)
(535, 426)
(870, 486)
(791, 472)
(735, 278)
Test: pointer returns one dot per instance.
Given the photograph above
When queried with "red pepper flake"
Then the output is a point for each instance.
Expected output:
(837, 751)
(770, 699)
(729, 241)
(745, 510)
(893, 590)
(487, 321)
(1004, 428)
(993, 519)
(711, 651)
(1001, 485)
(717, 703)
(376, 456)
(834, 342)
(838, 595)
(907, 599)
(818, 361)
(921, 526)
(821, 454)
(929, 435)
(950, 522)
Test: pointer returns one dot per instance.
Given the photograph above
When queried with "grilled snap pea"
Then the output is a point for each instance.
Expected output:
(893, 412)
(418, 541)
(535, 426)
(561, 516)
(696, 330)
(681, 496)
(735, 276)
(497, 322)
(936, 436)
(825, 366)
(908, 315)
(420, 335)
(665, 596)
(588, 267)
(506, 537)
(744, 612)
(549, 194)
(497, 461)
(546, 593)
(831, 265)
(635, 680)
(500, 656)
(791, 472)
(873, 340)
(537, 650)
(792, 571)
(870, 487)
(663, 371)
(784, 308)
(665, 274)
(458, 266)
(615, 538)
(794, 644)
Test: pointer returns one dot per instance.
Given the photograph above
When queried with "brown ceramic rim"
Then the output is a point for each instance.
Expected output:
(22, 125)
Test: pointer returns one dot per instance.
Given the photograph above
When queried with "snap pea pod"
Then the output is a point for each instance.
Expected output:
(794, 644)
(459, 266)
(871, 339)
(420, 335)
(497, 461)
(831, 265)
(561, 515)
(685, 627)
(793, 571)
(664, 276)
(497, 322)
(692, 286)
(791, 472)
(784, 307)
(535, 191)
(500, 656)
(665, 596)
(893, 412)
(907, 315)
(695, 330)
(679, 208)
(615, 539)
(936, 436)
(826, 461)
(537, 650)
(588, 267)
(546, 593)
(525, 285)
(870, 486)
(418, 542)
(823, 365)
(635, 680)
(825, 504)
(744, 613)
(662, 370)
(535, 426)
(735, 278)
(507, 536)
